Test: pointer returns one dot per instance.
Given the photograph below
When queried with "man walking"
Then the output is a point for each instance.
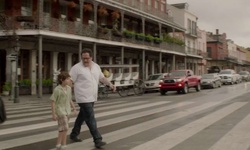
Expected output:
(86, 76)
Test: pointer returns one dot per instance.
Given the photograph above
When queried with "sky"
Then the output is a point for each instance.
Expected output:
(229, 16)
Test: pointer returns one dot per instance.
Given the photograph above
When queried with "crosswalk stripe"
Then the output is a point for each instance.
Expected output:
(44, 114)
(52, 123)
(237, 138)
(171, 139)
(53, 134)
(129, 131)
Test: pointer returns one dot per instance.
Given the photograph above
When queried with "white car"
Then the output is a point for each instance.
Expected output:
(228, 76)
(152, 83)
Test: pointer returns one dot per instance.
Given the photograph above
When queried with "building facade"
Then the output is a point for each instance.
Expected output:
(52, 33)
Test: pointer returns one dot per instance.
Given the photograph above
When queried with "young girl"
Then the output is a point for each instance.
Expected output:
(61, 100)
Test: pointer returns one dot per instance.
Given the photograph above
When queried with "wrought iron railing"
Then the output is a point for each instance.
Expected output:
(77, 28)
(145, 8)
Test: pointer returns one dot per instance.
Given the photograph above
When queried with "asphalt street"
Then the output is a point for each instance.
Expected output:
(212, 119)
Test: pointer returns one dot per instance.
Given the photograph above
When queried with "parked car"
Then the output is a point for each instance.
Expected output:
(152, 83)
(228, 76)
(180, 81)
(238, 78)
(210, 80)
(245, 75)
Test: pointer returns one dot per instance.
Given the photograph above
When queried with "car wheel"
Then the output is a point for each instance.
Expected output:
(163, 92)
(198, 87)
(185, 89)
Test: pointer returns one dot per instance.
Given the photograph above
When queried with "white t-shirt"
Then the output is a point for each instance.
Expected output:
(86, 81)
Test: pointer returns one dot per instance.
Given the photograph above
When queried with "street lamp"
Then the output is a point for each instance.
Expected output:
(16, 49)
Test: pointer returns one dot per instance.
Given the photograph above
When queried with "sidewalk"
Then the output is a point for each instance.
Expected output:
(45, 98)
(26, 98)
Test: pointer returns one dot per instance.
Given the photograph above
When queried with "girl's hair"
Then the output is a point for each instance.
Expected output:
(63, 76)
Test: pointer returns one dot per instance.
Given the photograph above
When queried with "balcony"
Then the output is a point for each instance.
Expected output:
(192, 33)
(144, 8)
(77, 28)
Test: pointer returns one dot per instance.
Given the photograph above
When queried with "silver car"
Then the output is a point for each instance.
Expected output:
(152, 83)
(245, 75)
(210, 80)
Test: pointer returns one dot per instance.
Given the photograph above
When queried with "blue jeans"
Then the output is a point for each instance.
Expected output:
(86, 114)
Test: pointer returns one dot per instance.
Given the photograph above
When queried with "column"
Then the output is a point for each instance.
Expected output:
(80, 50)
(95, 15)
(33, 73)
(69, 61)
(130, 62)
(81, 14)
(110, 62)
(54, 60)
(94, 52)
(122, 59)
(40, 13)
(40, 63)
(146, 69)
(160, 62)
(173, 63)
(160, 35)
(143, 25)
(143, 65)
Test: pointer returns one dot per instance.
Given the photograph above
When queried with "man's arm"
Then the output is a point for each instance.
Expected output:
(108, 83)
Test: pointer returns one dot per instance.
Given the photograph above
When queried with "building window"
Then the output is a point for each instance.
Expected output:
(163, 7)
(26, 9)
(193, 27)
(189, 26)
(149, 2)
(209, 52)
(156, 4)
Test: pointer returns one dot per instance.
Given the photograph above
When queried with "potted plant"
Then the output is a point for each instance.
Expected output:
(87, 7)
(6, 88)
(102, 11)
(115, 14)
(149, 38)
(140, 36)
(157, 40)
(128, 34)
(71, 4)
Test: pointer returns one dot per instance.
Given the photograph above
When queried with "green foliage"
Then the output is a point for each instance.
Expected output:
(47, 82)
(128, 33)
(25, 82)
(157, 40)
(167, 38)
(140, 36)
(7, 86)
(149, 38)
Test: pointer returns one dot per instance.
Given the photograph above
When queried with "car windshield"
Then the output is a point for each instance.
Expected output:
(225, 72)
(243, 73)
(207, 76)
(154, 77)
(177, 74)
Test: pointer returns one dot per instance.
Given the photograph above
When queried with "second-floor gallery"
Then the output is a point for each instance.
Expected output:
(51, 33)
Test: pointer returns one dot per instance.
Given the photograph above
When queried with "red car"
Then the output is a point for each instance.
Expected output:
(180, 81)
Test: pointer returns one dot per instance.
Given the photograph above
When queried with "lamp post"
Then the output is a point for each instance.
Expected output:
(16, 49)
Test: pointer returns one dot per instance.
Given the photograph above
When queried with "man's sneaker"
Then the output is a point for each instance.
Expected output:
(100, 144)
(76, 139)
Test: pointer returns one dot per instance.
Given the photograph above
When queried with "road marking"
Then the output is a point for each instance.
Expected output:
(237, 138)
(53, 123)
(53, 134)
(171, 139)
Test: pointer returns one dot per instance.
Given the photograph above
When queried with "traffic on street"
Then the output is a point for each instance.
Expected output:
(212, 119)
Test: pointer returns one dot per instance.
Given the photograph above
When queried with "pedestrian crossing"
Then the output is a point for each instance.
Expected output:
(139, 123)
